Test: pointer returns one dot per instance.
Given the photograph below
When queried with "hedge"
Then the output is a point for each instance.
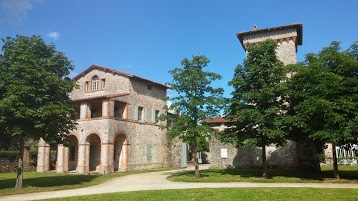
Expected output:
(13, 155)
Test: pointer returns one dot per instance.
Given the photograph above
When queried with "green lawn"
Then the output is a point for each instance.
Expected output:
(349, 174)
(223, 194)
(39, 182)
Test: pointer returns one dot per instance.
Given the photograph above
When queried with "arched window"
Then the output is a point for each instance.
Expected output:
(94, 83)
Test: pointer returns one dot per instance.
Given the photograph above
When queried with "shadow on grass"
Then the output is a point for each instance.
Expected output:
(274, 174)
(49, 181)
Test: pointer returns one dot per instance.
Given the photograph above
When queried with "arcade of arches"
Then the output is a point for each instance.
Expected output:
(93, 155)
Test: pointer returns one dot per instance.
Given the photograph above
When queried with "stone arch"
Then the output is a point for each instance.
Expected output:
(120, 152)
(94, 151)
(72, 152)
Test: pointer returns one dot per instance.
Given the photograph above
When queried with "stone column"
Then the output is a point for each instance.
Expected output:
(62, 159)
(123, 167)
(106, 160)
(26, 159)
(43, 157)
(83, 110)
(110, 108)
(105, 108)
(83, 159)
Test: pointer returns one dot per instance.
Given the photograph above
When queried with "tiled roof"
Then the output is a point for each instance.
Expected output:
(240, 35)
(100, 97)
(116, 72)
(215, 120)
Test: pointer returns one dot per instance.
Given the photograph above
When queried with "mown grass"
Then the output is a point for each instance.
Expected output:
(349, 174)
(224, 194)
(40, 182)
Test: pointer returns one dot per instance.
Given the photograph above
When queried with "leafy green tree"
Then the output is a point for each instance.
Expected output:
(34, 87)
(196, 101)
(257, 100)
(324, 98)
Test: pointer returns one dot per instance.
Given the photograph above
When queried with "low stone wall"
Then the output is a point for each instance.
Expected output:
(11, 164)
(290, 156)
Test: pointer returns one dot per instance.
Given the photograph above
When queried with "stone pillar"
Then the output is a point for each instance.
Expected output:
(110, 157)
(43, 157)
(83, 158)
(124, 155)
(83, 110)
(111, 108)
(106, 161)
(105, 108)
(26, 159)
(62, 159)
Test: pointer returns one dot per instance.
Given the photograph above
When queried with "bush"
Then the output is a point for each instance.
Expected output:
(9, 155)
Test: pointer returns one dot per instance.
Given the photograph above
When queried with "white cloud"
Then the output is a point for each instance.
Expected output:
(53, 35)
(16, 9)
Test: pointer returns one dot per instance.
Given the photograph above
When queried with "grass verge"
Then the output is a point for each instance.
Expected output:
(349, 174)
(40, 182)
(224, 194)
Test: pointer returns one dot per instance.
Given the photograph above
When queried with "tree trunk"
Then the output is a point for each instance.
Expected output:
(197, 173)
(335, 162)
(192, 154)
(20, 166)
(264, 163)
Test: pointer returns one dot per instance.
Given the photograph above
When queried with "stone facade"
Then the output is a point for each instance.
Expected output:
(288, 37)
(118, 127)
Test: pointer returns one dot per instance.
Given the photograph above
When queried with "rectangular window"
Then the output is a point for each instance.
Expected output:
(140, 113)
(103, 83)
(149, 152)
(86, 86)
(72, 153)
(156, 116)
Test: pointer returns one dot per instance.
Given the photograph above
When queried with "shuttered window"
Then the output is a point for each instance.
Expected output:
(149, 152)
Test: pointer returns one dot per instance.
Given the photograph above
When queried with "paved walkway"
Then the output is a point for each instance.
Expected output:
(158, 181)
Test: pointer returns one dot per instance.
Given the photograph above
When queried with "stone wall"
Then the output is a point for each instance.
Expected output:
(286, 47)
(289, 156)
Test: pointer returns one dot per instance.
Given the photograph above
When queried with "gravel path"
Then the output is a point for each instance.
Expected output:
(158, 181)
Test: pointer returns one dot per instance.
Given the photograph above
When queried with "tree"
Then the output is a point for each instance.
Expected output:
(34, 87)
(196, 100)
(257, 103)
(324, 97)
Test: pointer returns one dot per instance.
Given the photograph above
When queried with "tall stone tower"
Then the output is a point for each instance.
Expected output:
(288, 37)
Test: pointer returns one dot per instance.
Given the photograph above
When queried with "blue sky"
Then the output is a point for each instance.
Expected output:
(149, 38)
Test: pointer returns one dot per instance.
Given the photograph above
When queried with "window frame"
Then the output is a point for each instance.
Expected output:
(95, 83)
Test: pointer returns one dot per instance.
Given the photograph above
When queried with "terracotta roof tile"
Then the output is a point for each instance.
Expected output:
(215, 120)
(100, 97)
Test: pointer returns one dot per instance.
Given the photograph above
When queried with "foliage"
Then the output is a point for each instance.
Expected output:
(258, 100)
(34, 87)
(196, 100)
(324, 97)
(9, 155)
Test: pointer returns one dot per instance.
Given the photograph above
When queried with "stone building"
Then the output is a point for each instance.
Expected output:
(292, 155)
(118, 127)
